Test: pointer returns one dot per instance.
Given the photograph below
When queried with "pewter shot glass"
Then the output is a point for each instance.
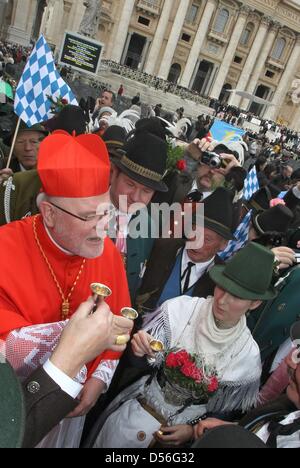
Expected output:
(129, 313)
(157, 347)
(100, 293)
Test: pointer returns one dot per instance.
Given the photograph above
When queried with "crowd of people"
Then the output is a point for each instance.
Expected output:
(214, 343)
(155, 82)
(11, 54)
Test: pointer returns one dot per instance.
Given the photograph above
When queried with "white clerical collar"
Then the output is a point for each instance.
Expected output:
(56, 244)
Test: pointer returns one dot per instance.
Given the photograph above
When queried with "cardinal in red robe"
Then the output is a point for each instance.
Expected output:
(49, 262)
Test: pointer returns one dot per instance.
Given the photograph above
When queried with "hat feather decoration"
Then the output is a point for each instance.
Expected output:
(239, 147)
(129, 118)
(179, 129)
(122, 120)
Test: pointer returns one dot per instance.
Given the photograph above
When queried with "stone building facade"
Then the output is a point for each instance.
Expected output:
(211, 46)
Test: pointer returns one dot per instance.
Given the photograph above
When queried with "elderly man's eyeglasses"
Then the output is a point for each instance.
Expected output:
(109, 212)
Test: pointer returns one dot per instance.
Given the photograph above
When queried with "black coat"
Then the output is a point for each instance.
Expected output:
(276, 410)
(159, 269)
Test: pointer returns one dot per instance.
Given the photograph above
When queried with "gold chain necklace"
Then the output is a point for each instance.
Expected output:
(65, 307)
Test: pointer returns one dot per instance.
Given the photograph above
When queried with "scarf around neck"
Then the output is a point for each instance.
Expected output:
(188, 323)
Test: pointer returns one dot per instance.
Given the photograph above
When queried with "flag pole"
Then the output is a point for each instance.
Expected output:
(13, 144)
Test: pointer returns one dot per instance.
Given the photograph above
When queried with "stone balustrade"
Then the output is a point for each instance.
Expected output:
(155, 82)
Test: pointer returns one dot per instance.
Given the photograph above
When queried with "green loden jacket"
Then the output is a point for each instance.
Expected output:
(18, 196)
(271, 323)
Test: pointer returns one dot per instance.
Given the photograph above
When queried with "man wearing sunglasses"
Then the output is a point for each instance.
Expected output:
(49, 261)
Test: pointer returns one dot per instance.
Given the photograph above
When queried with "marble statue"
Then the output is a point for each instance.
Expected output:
(90, 22)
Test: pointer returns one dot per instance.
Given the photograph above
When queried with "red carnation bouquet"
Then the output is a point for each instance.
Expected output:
(175, 161)
(181, 165)
(190, 372)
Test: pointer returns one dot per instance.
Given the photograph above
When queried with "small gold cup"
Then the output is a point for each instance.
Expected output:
(157, 346)
(129, 313)
(101, 290)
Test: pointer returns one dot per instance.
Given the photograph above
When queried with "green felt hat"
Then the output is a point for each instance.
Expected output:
(248, 275)
(12, 410)
(35, 128)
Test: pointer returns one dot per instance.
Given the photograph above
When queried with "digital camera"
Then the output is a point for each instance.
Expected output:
(212, 160)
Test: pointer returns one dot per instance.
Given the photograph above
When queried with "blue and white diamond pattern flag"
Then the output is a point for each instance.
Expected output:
(40, 79)
(241, 235)
(251, 184)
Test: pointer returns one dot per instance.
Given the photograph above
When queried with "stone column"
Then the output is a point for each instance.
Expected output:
(159, 36)
(3, 6)
(251, 60)
(75, 16)
(54, 15)
(193, 79)
(295, 124)
(145, 53)
(127, 44)
(211, 80)
(173, 39)
(17, 32)
(198, 43)
(122, 30)
(32, 17)
(231, 49)
(285, 82)
(260, 63)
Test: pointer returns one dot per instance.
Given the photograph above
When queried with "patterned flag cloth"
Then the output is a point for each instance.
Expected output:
(241, 235)
(251, 184)
(222, 131)
(40, 80)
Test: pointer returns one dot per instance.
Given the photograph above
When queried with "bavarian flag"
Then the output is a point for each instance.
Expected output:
(222, 131)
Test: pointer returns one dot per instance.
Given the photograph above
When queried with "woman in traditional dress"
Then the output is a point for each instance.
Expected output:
(214, 332)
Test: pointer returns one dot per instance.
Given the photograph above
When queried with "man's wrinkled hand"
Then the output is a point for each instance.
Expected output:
(141, 344)
(5, 174)
(230, 162)
(175, 436)
(285, 257)
(198, 147)
(87, 335)
(122, 326)
(88, 397)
